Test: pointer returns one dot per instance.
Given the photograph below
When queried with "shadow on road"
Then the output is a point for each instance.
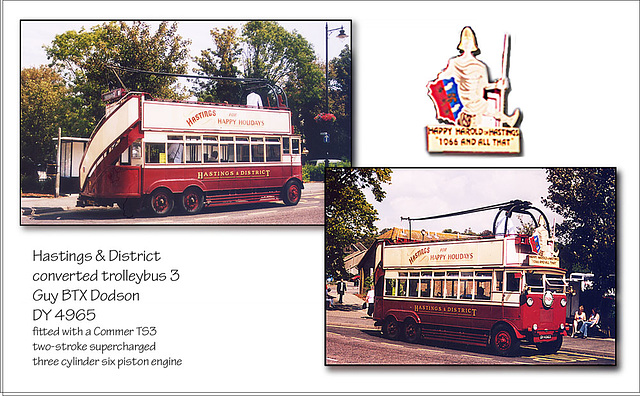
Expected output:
(115, 213)
(521, 352)
(346, 307)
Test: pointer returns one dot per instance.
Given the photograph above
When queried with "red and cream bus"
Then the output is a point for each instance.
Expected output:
(495, 292)
(159, 154)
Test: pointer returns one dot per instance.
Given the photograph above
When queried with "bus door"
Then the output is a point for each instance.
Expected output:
(126, 177)
(291, 153)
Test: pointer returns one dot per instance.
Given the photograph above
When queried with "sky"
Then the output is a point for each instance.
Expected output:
(36, 34)
(426, 192)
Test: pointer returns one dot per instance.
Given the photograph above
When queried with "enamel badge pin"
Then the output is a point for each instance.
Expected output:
(472, 110)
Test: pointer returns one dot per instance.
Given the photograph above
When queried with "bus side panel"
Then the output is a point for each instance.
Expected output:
(117, 181)
(172, 178)
(478, 318)
(177, 178)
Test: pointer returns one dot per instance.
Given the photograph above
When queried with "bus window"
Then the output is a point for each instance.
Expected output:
(285, 145)
(295, 146)
(136, 149)
(451, 284)
(534, 281)
(413, 287)
(402, 287)
(438, 284)
(210, 149)
(499, 281)
(242, 149)
(466, 285)
(555, 283)
(390, 287)
(155, 154)
(194, 149)
(257, 149)
(273, 149)
(125, 157)
(483, 285)
(513, 281)
(174, 153)
(227, 149)
(425, 284)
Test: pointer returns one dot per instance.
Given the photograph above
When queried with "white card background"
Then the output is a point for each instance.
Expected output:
(247, 314)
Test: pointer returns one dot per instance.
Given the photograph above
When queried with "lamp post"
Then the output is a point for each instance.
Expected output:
(341, 35)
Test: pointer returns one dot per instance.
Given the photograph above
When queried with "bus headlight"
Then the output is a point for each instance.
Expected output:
(535, 326)
(529, 301)
(547, 299)
(563, 302)
(561, 326)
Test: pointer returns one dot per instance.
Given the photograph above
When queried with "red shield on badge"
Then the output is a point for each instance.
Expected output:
(444, 94)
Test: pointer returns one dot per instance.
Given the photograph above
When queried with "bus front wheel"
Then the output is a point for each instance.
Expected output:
(192, 200)
(391, 329)
(291, 193)
(550, 347)
(504, 341)
(161, 202)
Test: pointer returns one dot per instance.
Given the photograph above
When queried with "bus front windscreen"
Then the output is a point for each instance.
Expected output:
(539, 282)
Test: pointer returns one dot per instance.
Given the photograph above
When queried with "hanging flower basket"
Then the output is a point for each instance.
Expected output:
(325, 117)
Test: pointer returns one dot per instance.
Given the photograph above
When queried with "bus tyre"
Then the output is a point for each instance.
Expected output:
(550, 347)
(129, 206)
(391, 329)
(192, 200)
(412, 331)
(291, 193)
(161, 202)
(504, 341)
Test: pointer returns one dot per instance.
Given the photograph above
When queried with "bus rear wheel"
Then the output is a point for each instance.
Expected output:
(192, 200)
(391, 329)
(161, 202)
(412, 331)
(504, 341)
(291, 193)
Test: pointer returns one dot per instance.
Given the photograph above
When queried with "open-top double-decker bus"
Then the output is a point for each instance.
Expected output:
(497, 291)
(156, 154)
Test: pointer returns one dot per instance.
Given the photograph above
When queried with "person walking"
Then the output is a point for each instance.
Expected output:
(371, 298)
(342, 288)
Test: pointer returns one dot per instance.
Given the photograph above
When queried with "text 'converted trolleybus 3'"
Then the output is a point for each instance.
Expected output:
(159, 154)
(495, 292)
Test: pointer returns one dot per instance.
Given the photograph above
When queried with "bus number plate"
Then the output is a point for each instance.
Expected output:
(545, 337)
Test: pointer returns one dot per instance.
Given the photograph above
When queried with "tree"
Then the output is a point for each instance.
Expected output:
(91, 61)
(220, 62)
(340, 106)
(340, 102)
(42, 111)
(349, 217)
(586, 199)
(286, 59)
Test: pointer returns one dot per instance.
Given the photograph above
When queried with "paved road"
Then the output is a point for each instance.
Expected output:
(352, 339)
(62, 211)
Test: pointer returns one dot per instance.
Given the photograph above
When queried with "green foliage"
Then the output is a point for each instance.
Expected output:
(312, 172)
(586, 199)
(340, 106)
(349, 217)
(220, 62)
(32, 184)
(368, 282)
(84, 57)
(42, 111)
